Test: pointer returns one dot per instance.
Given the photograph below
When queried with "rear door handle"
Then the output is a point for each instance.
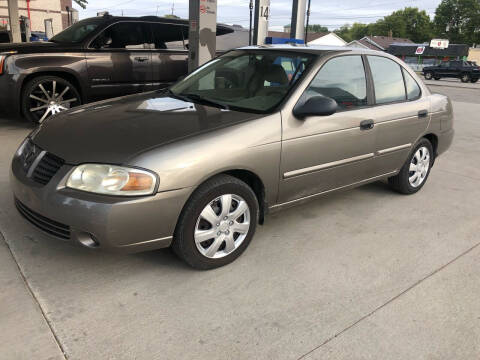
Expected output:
(422, 113)
(367, 125)
(141, 59)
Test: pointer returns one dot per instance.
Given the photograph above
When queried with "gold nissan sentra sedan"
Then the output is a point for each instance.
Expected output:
(198, 166)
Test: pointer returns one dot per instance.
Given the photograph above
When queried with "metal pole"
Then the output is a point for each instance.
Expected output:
(260, 22)
(251, 19)
(297, 29)
(308, 19)
(14, 21)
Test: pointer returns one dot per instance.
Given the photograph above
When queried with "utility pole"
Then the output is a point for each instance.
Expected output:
(14, 21)
(250, 28)
(308, 19)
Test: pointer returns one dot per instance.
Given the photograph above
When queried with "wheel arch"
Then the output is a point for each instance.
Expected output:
(66, 75)
(433, 140)
(248, 177)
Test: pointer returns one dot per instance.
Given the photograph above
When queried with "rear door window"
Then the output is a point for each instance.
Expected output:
(168, 36)
(387, 80)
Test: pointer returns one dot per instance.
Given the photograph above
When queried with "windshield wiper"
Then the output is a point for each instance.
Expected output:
(199, 99)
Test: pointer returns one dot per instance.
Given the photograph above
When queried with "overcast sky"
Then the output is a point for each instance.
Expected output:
(332, 14)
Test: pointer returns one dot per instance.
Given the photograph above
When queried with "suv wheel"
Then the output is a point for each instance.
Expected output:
(217, 223)
(46, 96)
(415, 171)
(474, 80)
(465, 78)
(437, 78)
(428, 75)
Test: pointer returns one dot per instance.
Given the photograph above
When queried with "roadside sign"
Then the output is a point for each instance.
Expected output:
(439, 43)
(420, 50)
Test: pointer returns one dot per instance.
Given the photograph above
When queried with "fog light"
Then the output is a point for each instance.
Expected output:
(87, 240)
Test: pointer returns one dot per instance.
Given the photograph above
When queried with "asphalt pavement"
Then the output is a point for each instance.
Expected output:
(361, 274)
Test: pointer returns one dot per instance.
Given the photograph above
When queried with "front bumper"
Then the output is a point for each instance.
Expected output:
(9, 95)
(111, 222)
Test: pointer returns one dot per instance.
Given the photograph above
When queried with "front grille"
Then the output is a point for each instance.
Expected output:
(38, 164)
(47, 168)
(43, 223)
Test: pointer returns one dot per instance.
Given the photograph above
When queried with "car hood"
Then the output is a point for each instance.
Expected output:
(32, 47)
(116, 131)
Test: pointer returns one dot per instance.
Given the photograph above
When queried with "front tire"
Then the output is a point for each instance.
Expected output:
(415, 171)
(465, 78)
(428, 75)
(474, 80)
(45, 96)
(217, 223)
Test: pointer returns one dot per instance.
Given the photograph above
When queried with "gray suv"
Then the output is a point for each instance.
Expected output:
(94, 59)
(253, 131)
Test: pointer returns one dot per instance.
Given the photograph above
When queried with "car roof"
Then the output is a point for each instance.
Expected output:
(314, 49)
(222, 29)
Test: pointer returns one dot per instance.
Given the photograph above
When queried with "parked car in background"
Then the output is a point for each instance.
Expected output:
(35, 36)
(466, 71)
(198, 166)
(95, 58)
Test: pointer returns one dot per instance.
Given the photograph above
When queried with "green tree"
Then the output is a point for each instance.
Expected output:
(353, 32)
(311, 28)
(458, 21)
(317, 28)
(81, 3)
(408, 23)
(171, 16)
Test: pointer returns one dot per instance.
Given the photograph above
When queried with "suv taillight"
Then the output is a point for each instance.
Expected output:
(2, 61)
(3, 56)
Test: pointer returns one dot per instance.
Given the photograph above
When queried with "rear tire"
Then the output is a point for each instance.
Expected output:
(415, 171)
(206, 239)
(45, 96)
(437, 77)
(465, 78)
(474, 80)
(428, 75)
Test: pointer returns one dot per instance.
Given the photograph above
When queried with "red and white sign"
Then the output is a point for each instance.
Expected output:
(420, 50)
(439, 43)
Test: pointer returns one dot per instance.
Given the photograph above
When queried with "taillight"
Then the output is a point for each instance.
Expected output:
(2, 61)
(3, 56)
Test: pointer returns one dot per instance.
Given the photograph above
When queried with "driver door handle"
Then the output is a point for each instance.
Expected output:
(367, 125)
(141, 59)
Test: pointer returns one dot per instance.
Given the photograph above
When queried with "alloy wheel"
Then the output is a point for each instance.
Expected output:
(51, 97)
(222, 226)
(419, 166)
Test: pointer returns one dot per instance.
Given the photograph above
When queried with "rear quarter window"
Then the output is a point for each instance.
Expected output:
(387, 80)
(413, 90)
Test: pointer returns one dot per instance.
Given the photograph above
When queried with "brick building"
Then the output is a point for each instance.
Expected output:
(39, 10)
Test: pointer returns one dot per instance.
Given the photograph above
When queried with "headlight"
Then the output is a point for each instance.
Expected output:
(22, 146)
(112, 180)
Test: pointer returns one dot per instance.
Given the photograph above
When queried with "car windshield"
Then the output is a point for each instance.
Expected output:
(78, 31)
(245, 80)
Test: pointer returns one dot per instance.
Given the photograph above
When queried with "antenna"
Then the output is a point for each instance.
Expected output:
(173, 7)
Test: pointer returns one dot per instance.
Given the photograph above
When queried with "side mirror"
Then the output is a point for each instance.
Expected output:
(315, 106)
